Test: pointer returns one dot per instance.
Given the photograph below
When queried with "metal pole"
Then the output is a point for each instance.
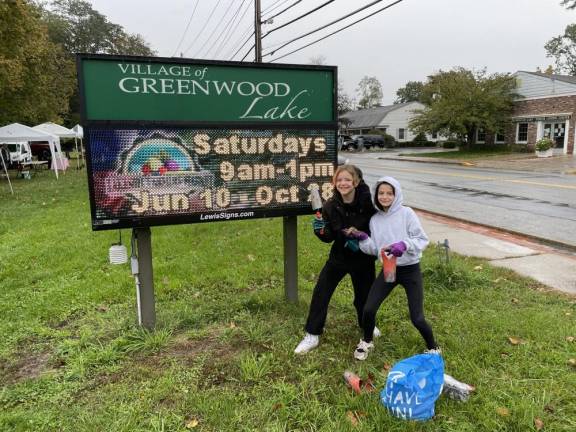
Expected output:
(147, 311)
(290, 223)
(257, 32)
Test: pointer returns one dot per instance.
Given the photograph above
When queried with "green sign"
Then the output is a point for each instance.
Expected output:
(148, 90)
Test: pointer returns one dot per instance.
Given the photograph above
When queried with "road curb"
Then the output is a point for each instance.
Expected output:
(553, 243)
(431, 160)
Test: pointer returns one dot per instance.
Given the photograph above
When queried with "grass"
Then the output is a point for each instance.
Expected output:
(474, 153)
(72, 358)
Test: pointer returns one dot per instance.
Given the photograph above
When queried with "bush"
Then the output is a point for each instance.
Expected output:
(450, 144)
(544, 144)
(420, 140)
(389, 140)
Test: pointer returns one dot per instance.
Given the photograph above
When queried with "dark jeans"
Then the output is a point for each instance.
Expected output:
(362, 275)
(410, 277)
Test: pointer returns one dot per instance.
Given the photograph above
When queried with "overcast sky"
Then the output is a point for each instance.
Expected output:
(406, 42)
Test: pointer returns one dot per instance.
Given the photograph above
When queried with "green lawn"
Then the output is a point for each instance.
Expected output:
(476, 153)
(72, 358)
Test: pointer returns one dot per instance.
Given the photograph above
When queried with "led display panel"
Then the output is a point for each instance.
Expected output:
(163, 157)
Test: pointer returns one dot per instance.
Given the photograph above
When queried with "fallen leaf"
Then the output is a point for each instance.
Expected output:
(515, 341)
(515, 300)
(251, 258)
(504, 355)
(569, 338)
(277, 406)
(568, 313)
(232, 325)
(352, 418)
(478, 267)
(504, 412)
(572, 362)
(497, 280)
(539, 424)
(549, 409)
(386, 367)
(165, 280)
(192, 423)
(102, 308)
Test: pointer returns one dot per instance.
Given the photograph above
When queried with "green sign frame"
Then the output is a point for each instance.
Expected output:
(161, 89)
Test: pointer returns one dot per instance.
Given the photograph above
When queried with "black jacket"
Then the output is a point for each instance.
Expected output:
(338, 215)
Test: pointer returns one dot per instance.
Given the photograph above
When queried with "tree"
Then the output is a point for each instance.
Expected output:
(81, 29)
(36, 77)
(563, 50)
(411, 92)
(345, 103)
(370, 92)
(570, 4)
(460, 101)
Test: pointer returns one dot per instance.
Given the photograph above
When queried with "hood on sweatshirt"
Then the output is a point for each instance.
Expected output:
(398, 197)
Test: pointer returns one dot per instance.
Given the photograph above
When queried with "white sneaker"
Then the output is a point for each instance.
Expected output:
(436, 350)
(361, 352)
(309, 342)
(377, 333)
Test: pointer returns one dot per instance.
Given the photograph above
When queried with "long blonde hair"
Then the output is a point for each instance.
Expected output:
(351, 169)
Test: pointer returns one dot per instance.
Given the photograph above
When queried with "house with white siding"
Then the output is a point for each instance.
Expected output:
(391, 119)
(546, 108)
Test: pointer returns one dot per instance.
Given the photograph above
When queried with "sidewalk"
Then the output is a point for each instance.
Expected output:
(549, 266)
(561, 164)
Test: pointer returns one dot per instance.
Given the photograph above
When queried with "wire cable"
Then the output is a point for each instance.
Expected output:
(241, 38)
(203, 27)
(242, 46)
(216, 27)
(324, 26)
(272, 6)
(299, 17)
(251, 48)
(186, 30)
(337, 31)
(282, 11)
(230, 27)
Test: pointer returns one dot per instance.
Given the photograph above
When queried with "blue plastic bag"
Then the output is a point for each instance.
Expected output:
(413, 385)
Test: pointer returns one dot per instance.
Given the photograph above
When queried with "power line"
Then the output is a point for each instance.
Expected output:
(203, 27)
(216, 27)
(337, 31)
(242, 46)
(271, 6)
(282, 11)
(251, 48)
(244, 34)
(231, 27)
(298, 18)
(324, 26)
(186, 30)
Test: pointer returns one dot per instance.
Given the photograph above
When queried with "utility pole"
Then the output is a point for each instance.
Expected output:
(290, 223)
(257, 32)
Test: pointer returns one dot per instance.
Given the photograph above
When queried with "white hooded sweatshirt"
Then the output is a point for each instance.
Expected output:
(398, 223)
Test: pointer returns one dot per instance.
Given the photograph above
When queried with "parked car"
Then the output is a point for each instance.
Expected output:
(18, 153)
(41, 149)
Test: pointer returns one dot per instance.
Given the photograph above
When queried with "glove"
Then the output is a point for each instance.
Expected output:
(353, 233)
(397, 249)
(352, 244)
(318, 224)
(360, 235)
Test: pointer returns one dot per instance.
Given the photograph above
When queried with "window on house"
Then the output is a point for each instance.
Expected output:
(522, 132)
(500, 137)
(480, 135)
(401, 133)
(434, 135)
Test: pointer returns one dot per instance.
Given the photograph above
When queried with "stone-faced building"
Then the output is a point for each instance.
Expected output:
(547, 108)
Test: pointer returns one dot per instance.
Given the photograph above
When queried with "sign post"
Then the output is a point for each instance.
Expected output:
(174, 141)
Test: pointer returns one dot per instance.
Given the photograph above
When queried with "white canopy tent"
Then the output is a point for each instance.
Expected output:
(80, 135)
(3, 162)
(61, 132)
(17, 132)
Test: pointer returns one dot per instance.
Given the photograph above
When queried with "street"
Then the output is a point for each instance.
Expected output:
(541, 205)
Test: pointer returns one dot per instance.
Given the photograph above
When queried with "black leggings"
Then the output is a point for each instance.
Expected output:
(362, 275)
(410, 277)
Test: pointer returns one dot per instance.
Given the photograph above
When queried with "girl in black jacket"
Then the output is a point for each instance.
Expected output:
(351, 206)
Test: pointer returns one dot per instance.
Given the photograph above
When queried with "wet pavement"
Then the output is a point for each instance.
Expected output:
(551, 263)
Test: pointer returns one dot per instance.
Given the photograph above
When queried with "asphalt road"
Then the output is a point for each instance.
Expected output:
(541, 205)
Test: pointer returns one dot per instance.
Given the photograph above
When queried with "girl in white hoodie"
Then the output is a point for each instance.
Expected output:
(395, 229)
